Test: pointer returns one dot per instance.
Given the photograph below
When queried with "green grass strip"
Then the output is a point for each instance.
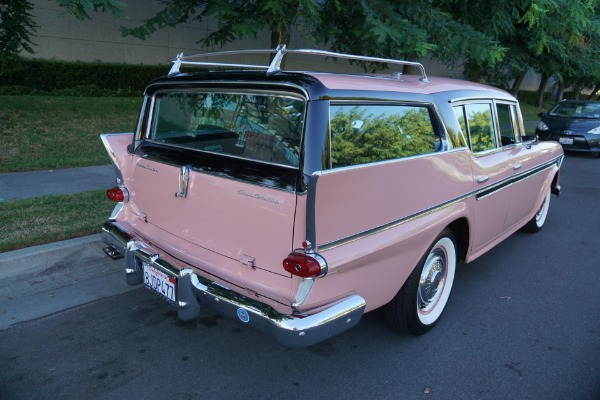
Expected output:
(29, 222)
(50, 132)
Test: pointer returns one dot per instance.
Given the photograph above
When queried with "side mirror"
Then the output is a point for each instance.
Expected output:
(529, 141)
(541, 115)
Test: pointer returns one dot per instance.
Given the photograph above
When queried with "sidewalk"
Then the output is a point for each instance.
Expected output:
(40, 280)
(22, 185)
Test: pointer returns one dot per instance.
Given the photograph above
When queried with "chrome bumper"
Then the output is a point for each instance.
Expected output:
(194, 291)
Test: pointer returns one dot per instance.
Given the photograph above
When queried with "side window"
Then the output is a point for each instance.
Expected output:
(363, 134)
(507, 122)
(476, 121)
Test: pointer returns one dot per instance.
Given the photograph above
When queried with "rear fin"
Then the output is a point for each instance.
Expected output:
(116, 147)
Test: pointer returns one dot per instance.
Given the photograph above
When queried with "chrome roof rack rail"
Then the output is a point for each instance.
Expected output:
(280, 52)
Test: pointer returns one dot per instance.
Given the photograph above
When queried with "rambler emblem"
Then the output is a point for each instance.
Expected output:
(259, 196)
(568, 132)
(149, 168)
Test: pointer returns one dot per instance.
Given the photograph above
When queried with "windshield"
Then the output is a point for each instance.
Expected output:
(264, 127)
(576, 110)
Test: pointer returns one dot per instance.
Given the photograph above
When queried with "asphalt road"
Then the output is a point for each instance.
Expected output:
(523, 322)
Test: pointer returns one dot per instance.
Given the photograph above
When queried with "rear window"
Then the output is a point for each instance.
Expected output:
(576, 110)
(263, 127)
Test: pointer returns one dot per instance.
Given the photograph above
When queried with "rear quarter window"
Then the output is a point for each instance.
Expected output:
(363, 134)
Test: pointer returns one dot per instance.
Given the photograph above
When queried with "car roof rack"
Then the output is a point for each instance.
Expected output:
(280, 52)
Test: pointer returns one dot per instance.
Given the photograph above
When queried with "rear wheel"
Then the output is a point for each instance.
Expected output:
(420, 302)
(537, 222)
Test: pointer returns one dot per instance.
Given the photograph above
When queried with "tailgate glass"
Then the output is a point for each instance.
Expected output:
(265, 127)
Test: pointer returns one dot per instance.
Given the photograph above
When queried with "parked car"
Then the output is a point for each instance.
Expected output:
(575, 124)
(295, 202)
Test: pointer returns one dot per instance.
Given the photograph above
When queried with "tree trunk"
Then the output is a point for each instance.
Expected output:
(517, 84)
(539, 97)
(596, 88)
(577, 92)
(560, 93)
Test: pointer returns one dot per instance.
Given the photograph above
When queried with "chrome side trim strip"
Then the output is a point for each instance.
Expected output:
(311, 218)
(393, 224)
(479, 194)
(491, 189)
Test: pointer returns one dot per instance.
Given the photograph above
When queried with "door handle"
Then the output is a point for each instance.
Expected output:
(483, 179)
(517, 166)
(184, 174)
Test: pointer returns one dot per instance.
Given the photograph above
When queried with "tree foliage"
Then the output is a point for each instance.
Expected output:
(404, 29)
(16, 27)
(495, 42)
(81, 9)
(236, 18)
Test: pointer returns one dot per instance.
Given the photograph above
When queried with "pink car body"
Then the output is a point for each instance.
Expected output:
(281, 227)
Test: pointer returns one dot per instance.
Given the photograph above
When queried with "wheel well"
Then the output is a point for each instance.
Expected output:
(460, 228)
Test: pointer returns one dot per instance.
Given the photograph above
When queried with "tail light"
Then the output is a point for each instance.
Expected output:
(305, 265)
(118, 194)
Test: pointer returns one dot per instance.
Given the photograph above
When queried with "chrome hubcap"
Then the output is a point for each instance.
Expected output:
(433, 279)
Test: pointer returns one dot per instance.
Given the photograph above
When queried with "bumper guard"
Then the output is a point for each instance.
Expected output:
(194, 291)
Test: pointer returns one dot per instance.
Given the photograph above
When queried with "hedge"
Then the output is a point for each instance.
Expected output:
(62, 77)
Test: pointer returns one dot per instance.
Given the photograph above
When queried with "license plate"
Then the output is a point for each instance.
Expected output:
(159, 282)
(564, 140)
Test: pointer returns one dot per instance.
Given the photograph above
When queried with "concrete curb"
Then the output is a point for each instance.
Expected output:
(37, 259)
(41, 280)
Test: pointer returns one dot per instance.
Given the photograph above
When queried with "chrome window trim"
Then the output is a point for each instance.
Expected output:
(479, 194)
(493, 102)
(390, 161)
(205, 86)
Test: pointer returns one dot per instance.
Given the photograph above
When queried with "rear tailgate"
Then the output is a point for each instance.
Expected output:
(213, 182)
(231, 218)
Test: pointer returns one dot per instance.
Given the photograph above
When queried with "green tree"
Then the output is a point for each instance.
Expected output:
(236, 18)
(545, 35)
(81, 9)
(405, 29)
(16, 27)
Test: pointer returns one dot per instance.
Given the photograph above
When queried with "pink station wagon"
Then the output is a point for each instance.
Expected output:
(294, 202)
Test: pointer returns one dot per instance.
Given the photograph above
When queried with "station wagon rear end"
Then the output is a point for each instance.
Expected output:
(295, 202)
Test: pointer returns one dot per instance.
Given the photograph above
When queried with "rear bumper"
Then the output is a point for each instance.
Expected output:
(194, 291)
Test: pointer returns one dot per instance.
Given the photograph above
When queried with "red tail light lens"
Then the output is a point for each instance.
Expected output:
(119, 194)
(305, 266)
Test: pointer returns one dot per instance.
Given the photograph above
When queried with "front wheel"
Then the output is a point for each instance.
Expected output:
(536, 223)
(420, 302)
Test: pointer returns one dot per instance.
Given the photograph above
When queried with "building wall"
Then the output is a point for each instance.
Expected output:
(61, 36)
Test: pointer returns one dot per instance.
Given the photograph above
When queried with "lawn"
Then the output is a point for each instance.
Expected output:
(29, 222)
(530, 112)
(49, 132)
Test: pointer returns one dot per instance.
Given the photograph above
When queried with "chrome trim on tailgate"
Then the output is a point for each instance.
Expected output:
(193, 291)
